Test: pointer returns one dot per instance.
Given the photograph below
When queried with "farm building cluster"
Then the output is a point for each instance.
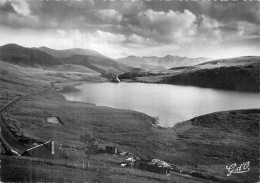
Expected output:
(50, 150)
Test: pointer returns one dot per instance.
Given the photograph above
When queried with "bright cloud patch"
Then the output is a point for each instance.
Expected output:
(21, 7)
(109, 15)
(166, 27)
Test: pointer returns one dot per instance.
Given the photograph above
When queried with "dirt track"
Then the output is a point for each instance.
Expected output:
(4, 132)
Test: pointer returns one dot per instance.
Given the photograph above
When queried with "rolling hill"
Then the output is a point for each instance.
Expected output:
(15, 54)
(240, 74)
(99, 64)
(170, 61)
(46, 57)
(201, 147)
(89, 59)
(69, 52)
(139, 62)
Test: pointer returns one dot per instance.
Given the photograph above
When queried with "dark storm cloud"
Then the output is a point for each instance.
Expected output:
(222, 11)
(17, 14)
(62, 14)
(120, 15)
(83, 15)
(229, 28)
(136, 24)
(6, 7)
(58, 15)
(240, 11)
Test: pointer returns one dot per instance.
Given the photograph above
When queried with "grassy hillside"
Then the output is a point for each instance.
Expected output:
(98, 64)
(220, 139)
(70, 52)
(45, 57)
(16, 80)
(205, 144)
(19, 55)
(71, 68)
(202, 146)
(30, 170)
(240, 74)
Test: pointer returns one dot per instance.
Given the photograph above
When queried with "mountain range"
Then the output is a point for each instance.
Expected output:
(46, 57)
(90, 59)
(158, 63)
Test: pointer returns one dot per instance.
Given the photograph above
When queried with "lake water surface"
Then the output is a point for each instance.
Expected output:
(171, 103)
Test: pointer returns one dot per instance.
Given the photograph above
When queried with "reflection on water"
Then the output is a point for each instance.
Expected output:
(171, 103)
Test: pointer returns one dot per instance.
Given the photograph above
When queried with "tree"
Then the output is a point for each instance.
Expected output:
(91, 142)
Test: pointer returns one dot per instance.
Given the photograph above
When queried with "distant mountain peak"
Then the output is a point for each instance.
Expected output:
(167, 61)
(44, 47)
(131, 56)
(12, 45)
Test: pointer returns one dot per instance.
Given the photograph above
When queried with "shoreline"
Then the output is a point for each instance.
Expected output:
(160, 141)
(72, 87)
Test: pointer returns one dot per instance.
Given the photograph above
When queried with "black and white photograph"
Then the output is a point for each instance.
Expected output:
(130, 91)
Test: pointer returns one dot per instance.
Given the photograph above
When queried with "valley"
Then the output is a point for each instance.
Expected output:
(199, 149)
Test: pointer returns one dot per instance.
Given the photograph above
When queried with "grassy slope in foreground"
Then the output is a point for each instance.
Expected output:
(206, 144)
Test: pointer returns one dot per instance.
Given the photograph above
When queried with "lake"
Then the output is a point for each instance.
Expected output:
(170, 103)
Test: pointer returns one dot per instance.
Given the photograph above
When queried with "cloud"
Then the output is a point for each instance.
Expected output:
(5, 6)
(240, 30)
(133, 38)
(128, 7)
(109, 15)
(21, 7)
(118, 28)
(107, 43)
(170, 27)
(17, 14)
(61, 32)
(15, 21)
(236, 11)
(247, 29)
(208, 30)
(227, 11)
(108, 37)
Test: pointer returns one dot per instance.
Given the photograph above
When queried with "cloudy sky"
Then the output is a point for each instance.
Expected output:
(213, 29)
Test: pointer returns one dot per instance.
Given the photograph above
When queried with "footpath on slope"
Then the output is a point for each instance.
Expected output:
(4, 132)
